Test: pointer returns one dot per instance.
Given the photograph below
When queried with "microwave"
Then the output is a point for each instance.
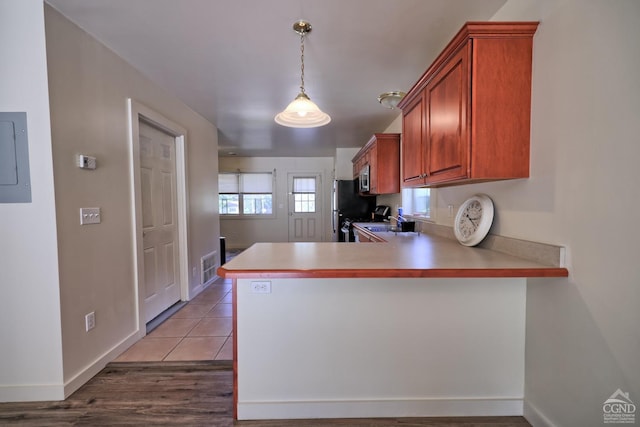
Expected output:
(364, 179)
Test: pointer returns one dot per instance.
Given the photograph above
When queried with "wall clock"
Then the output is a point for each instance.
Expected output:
(473, 220)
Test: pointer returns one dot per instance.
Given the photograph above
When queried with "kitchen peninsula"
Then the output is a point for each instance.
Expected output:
(417, 325)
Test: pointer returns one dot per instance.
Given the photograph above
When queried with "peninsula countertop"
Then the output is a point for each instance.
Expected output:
(400, 255)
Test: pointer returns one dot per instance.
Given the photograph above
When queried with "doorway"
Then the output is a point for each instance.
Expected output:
(159, 200)
(305, 207)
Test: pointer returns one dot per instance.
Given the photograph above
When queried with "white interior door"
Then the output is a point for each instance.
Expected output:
(159, 220)
(305, 207)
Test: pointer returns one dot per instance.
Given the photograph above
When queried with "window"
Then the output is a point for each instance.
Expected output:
(245, 194)
(417, 202)
(304, 195)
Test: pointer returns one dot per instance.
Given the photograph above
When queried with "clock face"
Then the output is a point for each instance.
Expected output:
(470, 218)
(473, 220)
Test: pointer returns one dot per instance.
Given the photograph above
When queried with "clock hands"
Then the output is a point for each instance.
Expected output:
(471, 220)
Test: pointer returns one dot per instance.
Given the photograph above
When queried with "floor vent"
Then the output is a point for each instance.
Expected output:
(208, 266)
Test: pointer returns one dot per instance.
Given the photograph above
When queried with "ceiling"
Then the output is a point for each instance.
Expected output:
(237, 62)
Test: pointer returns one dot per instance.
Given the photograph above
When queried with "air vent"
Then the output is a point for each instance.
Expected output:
(208, 266)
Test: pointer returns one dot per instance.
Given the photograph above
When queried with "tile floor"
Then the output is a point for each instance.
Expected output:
(201, 330)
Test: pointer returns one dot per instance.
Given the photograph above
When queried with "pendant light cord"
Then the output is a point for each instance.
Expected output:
(302, 62)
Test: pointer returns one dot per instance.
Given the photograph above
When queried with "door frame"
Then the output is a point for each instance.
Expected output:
(137, 112)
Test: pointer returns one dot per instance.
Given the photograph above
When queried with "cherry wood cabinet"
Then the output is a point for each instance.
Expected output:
(412, 142)
(359, 164)
(468, 117)
(382, 154)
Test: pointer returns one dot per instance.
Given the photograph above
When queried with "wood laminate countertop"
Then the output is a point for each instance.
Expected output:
(400, 255)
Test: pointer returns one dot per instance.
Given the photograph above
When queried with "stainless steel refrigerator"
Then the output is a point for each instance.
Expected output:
(348, 204)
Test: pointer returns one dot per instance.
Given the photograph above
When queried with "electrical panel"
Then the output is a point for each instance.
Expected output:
(15, 179)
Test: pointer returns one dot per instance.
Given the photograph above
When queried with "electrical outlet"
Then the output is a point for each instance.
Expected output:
(90, 321)
(450, 213)
(86, 162)
(261, 287)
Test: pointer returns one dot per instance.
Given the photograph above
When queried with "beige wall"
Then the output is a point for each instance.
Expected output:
(343, 165)
(583, 340)
(89, 87)
(242, 233)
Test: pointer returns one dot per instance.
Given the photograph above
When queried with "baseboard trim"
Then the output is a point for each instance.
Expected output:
(380, 408)
(31, 393)
(535, 417)
(90, 371)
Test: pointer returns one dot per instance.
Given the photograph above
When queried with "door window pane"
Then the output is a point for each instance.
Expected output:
(304, 195)
(304, 185)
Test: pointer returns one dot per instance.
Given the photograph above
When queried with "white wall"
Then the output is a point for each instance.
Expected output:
(49, 284)
(381, 348)
(30, 330)
(583, 340)
(242, 233)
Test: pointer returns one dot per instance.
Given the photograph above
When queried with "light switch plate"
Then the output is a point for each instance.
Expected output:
(89, 216)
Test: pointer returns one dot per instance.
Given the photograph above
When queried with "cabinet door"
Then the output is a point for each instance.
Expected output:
(447, 97)
(373, 169)
(412, 144)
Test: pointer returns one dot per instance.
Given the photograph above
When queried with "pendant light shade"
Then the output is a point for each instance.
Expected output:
(302, 112)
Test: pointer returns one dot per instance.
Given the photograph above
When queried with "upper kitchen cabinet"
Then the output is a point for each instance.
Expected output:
(468, 117)
(382, 155)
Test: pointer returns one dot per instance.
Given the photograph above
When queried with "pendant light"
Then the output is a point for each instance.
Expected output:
(302, 112)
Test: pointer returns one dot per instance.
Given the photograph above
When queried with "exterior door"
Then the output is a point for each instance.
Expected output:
(159, 220)
(305, 213)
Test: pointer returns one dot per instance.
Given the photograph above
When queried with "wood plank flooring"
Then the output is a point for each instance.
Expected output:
(184, 394)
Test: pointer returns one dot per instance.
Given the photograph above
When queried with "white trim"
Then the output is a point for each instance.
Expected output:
(46, 392)
(136, 112)
(31, 393)
(534, 417)
(426, 407)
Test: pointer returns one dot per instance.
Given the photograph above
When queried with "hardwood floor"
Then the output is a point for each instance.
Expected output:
(185, 394)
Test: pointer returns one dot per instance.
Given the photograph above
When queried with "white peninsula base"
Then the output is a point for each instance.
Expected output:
(380, 347)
